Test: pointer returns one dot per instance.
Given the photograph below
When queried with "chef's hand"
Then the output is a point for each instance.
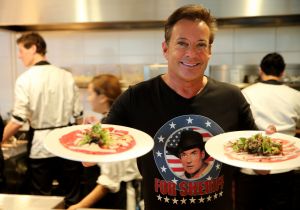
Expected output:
(270, 129)
(90, 120)
(88, 164)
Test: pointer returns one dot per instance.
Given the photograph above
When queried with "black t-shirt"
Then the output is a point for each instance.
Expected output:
(148, 106)
(1, 128)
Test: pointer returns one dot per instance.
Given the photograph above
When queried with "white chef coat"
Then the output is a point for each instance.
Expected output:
(46, 96)
(276, 104)
(112, 174)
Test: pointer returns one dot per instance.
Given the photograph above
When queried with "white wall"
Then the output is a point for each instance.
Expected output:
(248, 45)
(7, 76)
(77, 49)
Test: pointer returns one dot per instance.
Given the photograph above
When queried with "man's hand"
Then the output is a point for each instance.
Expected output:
(88, 164)
(262, 172)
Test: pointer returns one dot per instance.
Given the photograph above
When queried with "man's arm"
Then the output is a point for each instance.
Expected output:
(10, 129)
(98, 193)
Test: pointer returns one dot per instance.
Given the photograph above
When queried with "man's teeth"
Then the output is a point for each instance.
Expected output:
(191, 65)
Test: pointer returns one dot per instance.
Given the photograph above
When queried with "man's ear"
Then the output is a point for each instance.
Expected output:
(202, 154)
(33, 49)
(164, 46)
(260, 72)
(282, 74)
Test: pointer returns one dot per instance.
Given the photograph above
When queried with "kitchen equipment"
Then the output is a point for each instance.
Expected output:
(244, 75)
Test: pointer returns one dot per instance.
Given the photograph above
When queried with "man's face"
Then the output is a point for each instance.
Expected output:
(188, 51)
(26, 55)
(192, 160)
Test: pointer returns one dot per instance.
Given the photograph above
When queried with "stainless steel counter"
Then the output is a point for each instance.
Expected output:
(13, 149)
(29, 202)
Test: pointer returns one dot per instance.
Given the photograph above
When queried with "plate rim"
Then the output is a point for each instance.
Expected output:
(249, 164)
(142, 146)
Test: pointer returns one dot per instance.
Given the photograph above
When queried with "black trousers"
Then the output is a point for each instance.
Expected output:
(42, 172)
(264, 192)
(116, 200)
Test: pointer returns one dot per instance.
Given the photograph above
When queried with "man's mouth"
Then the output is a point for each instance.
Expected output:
(190, 64)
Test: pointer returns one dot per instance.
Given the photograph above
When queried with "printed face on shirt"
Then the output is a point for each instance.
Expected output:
(192, 160)
(188, 51)
(26, 55)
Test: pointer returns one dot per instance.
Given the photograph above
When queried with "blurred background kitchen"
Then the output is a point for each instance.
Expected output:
(123, 37)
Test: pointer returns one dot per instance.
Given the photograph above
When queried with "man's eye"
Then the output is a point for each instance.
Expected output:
(182, 44)
(202, 46)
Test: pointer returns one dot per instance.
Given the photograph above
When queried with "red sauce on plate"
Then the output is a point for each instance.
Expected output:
(69, 142)
(289, 151)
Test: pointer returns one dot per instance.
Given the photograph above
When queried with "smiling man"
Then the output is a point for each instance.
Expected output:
(184, 99)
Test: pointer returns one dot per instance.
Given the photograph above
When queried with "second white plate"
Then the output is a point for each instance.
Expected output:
(216, 147)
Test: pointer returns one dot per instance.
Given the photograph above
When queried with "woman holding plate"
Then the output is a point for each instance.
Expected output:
(107, 187)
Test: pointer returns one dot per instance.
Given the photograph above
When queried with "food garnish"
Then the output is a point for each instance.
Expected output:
(96, 135)
(257, 144)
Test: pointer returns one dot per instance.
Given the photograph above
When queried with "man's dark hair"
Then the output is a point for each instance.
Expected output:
(272, 64)
(191, 12)
(32, 38)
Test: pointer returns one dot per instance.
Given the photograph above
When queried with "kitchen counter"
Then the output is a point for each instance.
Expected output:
(29, 202)
(13, 149)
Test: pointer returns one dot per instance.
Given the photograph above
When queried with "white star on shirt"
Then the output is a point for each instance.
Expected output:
(158, 153)
(159, 197)
(190, 120)
(215, 196)
(201, 200)
(220, 193)
(218, 166)
(208, 124)
(183, 201)
(174, 201)
(172, 125)
(166, 199)
(160, 139)
(208, 198)
(192, 200)
(163, 169)
(209, 178)
(174, 180)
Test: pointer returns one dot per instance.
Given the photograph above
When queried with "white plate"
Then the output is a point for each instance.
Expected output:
(216, 147)
(144, 143)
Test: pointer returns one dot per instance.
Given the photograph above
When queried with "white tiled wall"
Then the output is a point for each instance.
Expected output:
(79, 48)
(7, 73)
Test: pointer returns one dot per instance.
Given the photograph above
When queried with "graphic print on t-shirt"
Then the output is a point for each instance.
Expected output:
(187, 172)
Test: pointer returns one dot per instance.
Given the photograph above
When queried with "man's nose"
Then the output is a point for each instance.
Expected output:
(191, 51)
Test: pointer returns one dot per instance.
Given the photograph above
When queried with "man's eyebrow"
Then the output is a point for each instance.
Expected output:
(181, 38)
(185, 39)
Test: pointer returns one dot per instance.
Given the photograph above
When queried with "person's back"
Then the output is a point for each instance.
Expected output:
(2, 177)
(47, 98)
(52, 95)
(274, 103)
